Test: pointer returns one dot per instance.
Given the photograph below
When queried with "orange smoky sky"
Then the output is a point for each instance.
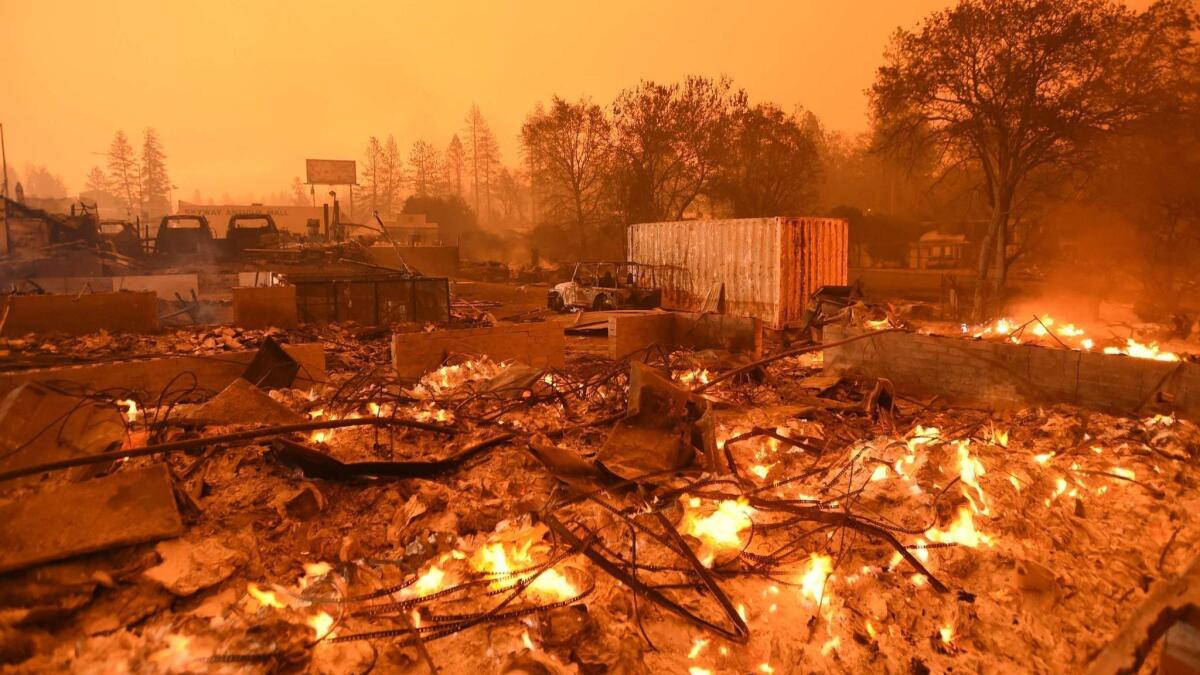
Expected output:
(242, 92)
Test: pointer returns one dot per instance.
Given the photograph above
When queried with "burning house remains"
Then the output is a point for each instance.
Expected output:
(617, 407)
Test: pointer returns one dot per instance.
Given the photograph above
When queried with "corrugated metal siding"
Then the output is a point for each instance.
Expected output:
(769, 266)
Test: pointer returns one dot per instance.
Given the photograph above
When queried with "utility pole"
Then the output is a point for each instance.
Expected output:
(4, 155)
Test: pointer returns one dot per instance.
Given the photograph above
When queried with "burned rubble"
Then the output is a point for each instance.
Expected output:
(602, 516)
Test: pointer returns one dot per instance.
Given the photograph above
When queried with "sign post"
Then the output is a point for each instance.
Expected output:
(333, 172)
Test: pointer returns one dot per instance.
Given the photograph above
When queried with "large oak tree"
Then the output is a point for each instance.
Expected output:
(1021, 86)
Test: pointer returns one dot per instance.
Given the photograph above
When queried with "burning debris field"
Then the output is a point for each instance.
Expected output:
(663, 512)
(451, 338)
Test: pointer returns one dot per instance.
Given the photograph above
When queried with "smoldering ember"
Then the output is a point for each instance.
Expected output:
(678, 377)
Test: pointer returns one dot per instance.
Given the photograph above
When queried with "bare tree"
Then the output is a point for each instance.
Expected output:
(568, 148)
(1023, 85)
(669, 142)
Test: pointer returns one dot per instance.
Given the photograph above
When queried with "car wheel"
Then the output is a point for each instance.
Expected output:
(602, 303)
(556, 302)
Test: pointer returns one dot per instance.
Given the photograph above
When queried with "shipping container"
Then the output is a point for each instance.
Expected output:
(770, 266)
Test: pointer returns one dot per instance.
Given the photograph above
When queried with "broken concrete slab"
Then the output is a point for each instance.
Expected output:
(535, 344)
(124, 312)
(129, 507)
(631, 333)
(243, 403)
(149, 377)
(265, 307)
(191, 565)
(39, 425)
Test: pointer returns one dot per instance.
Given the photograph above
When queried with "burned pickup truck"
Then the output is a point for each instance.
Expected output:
(607, 285)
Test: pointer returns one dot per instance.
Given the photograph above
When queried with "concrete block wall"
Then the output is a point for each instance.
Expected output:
(265, 307)
(536, 344)
(124, 312)
(635, 332)
(1005, 375)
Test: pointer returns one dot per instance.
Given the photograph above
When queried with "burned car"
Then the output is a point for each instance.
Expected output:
(184, 235)
(121, 237)
(251, 230)
(607, 285)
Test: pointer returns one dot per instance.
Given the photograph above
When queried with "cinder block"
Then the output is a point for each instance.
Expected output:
(536, 344)
(265, 307)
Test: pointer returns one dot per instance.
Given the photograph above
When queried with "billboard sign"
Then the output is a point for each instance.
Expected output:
(331, 172)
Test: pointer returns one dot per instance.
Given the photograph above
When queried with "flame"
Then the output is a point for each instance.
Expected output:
(697, 647)
(448, 378)
(870, 629)
(316, 414)
(947, 633)
(1044, 457)
(131, 409)
(876, 324)
(1142, 351)
(697, 670)
(1123, 472)
(176, 656)
(719, 530)
(970, 468)
(695, 375)
(812, 584)
(961, 531)
(830, 645)
(432, 581)
(761, 470)
(264, 598)
(504, 559)
(322, 624)
(525, 640)
(322, 435)
(879, 473)
(765, 667)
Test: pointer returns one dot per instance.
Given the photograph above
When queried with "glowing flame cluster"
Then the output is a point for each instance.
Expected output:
(693, 376)
(718, 529)
(446, 379)
(1067, 333)
(513, 561)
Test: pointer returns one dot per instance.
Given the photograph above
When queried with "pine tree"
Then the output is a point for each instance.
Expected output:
(123, 172)
(96, 180)
(156, 184)
(426, 168)
(300, 195)
(393, 173)
(479, 155)
(368, 189)
(456, 158)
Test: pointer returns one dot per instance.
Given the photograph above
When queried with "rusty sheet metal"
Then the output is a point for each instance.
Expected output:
(769, 265)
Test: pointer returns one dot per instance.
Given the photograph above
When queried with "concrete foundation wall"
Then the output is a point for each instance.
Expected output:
(1005, 375)
(165, 286)
(635, 332)
(125, 312)
(150, 377)
(535, 344)
(265, 307)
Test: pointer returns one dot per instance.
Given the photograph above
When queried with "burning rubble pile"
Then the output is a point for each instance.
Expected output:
(610, 517)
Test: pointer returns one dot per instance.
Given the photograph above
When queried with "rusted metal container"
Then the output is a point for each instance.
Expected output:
(770, 266)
